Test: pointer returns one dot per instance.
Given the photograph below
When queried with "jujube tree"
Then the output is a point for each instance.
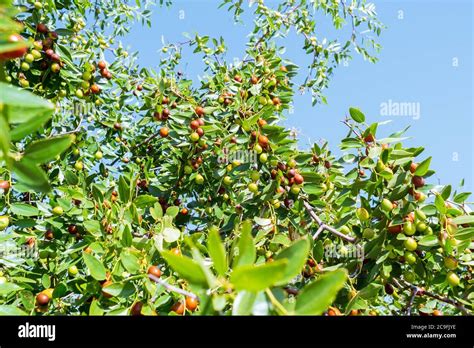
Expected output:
(143, 193)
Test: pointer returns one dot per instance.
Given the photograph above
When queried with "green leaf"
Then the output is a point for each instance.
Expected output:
(464, 219)
(465, 233)
(96, 268)
(262, 222)
(144, 201)
(45, 150)
(185, 267)
(127, 238)
(296, 254)
(317, 296)
(156, 212)
(4, 137)
(370, 291)
(124, 290)
(217, 251)
(171, 234)
(71, 178)
(243, 303)
(130, 262)
(22, 209)
(357, 115)
(7, 288)
(246, 246)
(30, 175)
(258, 277)
(22, 130)
(45, 281)
(23, 105)
(440, 204)
(93, 227)
(172, 211)
(429, 241)
(461, 197)
(11, 310)
(446, 192)
(124, 190)
(423, 167)
(95, 309)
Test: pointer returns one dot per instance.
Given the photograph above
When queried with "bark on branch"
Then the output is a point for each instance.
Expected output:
(401, 283)
(323, 226)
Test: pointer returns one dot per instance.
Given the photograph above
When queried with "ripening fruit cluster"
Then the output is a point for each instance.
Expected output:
(41, 56)
(89, 84)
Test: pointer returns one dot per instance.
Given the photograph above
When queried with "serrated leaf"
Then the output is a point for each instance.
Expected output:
(171, 234)
(357, 115)
(45, 150)
(429, 241)
(11, 310)
(187, 268)
(129, 261)
(172, 211)
(7, 288)
(124, 290)
(124, 190)
(245, 246)
(217, 251)
(317, 296)
(23, 105)
(23, 209)
(296, 254)
(243, 303)
(96, 268)
(423, 167)
(144, 201)
(258, 277)
(464, 219)
(30, 175)
(156, 212)
(93, 227)
(440, 204)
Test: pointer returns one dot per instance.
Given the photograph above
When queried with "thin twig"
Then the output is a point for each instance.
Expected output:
(404, 284)
(322, 225)
(412, 299)
(172, 288)
(352, 129)
(318, 232)
(147, 140)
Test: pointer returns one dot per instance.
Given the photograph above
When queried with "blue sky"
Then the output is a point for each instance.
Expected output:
(415, 66)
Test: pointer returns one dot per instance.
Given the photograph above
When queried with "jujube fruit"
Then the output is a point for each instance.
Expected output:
(155, 271)
(42, 299)
(178, 308)
(191, 303)
(418, 181)
(164, 132)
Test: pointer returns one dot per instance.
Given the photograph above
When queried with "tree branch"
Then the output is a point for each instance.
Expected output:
(404, 284)
(172, 288)
(323, 226)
